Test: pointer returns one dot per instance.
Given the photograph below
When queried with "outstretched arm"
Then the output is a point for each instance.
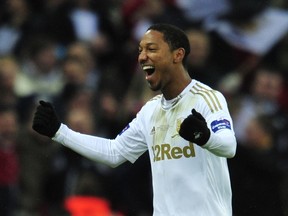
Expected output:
(103, 150)
(93, 147)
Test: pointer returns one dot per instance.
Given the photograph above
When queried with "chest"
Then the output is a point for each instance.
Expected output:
(164, 141)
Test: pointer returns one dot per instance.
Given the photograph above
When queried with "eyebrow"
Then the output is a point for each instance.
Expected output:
(148, 44)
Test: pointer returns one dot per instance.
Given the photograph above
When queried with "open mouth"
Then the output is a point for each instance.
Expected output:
(149, 69)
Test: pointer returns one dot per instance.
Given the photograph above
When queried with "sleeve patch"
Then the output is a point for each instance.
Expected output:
(126, 128)
(220, 124)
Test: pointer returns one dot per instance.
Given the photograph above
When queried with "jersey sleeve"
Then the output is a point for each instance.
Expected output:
(213, 106)
(92, 147)
(131, 141)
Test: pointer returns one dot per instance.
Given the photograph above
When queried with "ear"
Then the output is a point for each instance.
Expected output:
(178, 55)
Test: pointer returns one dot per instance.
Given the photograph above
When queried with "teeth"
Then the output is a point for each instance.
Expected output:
(148, 67)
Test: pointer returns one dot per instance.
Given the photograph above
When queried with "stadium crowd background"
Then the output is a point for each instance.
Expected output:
(82, 56)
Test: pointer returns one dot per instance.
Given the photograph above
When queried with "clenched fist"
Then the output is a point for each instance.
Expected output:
(194, 128)
(45, 120)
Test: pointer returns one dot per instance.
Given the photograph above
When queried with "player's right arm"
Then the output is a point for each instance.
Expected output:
(92, 147)
(46, 123)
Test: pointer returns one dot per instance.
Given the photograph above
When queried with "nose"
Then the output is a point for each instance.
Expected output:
(142, 57)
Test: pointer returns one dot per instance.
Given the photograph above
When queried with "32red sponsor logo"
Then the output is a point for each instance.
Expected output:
(167, 152)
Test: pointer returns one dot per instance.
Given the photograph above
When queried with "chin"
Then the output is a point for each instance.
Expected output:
(154, 87)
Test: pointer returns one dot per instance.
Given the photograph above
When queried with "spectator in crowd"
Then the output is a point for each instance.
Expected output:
(9, 70)
(77, 89)
(9, 166)
(88, 197)
(256, 177)
(139, 15)
(40, 75)
(83, 52)
(15, 21)
(262, 98)
(83, 179)
(199, 63)
(108, 114)
(244, 36)
(35, 158)
(53, 20)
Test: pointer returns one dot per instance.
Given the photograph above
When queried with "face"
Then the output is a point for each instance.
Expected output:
(74, 72)
(46, 59)
(199, 44)
(8, 129)
(256, 136)
(156, 60)
(268, 85)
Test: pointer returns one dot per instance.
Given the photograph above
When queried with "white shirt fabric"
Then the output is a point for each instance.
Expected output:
(187, 179)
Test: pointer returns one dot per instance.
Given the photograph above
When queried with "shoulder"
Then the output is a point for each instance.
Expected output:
(152, 102)
(149, 106)
(208, 96)
(155, 98)
(199, 86)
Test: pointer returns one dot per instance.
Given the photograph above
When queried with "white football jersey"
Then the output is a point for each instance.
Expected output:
(187, 179)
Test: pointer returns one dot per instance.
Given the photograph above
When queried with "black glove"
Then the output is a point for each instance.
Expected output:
(194, 128)
(45, 120)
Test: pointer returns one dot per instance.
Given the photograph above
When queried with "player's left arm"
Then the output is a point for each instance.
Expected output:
(222, 140)
(210, 126)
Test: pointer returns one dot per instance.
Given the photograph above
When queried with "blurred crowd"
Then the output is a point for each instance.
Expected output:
(81, 55)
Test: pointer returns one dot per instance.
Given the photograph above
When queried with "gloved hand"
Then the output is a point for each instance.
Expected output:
(194, 129)
(45, 120)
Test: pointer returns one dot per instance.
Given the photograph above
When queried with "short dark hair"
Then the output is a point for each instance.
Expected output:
(174, 36)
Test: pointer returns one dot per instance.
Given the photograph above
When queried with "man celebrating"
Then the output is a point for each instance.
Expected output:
(187, 130)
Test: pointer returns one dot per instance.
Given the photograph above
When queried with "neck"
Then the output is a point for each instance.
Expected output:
(176, 86)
